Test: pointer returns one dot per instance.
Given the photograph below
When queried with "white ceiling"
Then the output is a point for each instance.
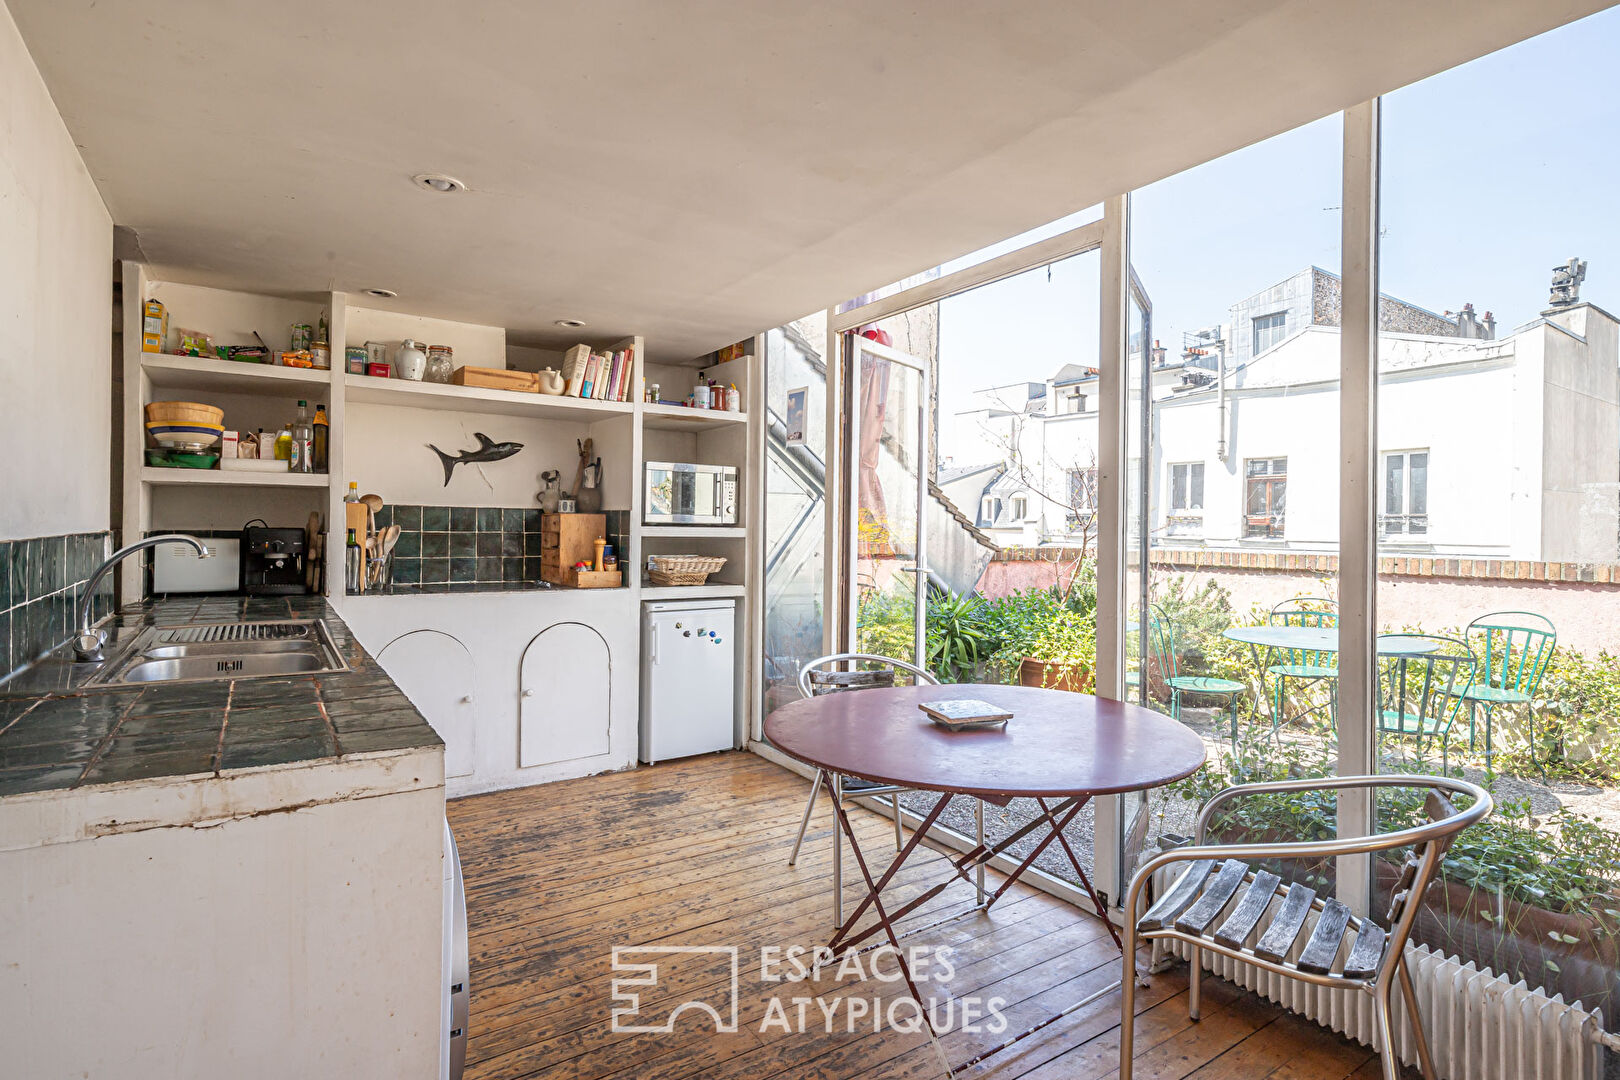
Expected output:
(693, 171)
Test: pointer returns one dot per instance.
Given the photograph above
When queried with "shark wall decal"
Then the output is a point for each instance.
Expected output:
(488, 450)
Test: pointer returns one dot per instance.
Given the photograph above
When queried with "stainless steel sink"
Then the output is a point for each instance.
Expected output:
(214, 652)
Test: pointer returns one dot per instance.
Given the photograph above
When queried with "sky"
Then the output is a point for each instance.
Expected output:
(1492, 173)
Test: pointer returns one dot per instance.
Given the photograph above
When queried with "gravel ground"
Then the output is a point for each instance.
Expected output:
(1171, 813)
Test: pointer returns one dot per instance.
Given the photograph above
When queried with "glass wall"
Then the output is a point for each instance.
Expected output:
(1499, 463)
(795, 503)
(1236, 607)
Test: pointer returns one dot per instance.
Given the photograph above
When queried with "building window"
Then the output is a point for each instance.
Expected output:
(1404, 509)
(1083, 489)
(1187, 488)
(1268, 330)
(1020, 508)
(989, 507)
(1265, 497)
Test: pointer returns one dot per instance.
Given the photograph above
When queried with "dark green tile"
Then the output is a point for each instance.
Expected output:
(384, 517)
(53, 753)
(38, 778)
(436, 545)
(408, 518)
(435, 571)
(489, 568)
(128, 745)
(398, 738)
(489, 543)
(269, 715)
(512, 569)
(512, 543)
(5, 577)
(511, 519)
(409, 546)
(532, 544)
(260, 754)
(149, 766)
(376, 719)
(237, 732)
(196, 723)
(407, 571)
(463, 519)
(489, 519)
(463, 570)
(531, 520)
(435, 518)
(464, 545)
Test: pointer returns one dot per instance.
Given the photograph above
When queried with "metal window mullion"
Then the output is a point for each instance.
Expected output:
(1112, 417)
(1358, 493)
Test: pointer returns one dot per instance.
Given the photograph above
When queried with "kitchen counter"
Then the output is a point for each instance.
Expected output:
(58, 735)
(401, 588)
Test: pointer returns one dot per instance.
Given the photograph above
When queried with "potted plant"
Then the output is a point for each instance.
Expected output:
(1060, 653)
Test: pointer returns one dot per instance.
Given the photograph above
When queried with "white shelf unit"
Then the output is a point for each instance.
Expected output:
(208, 375)
(231, 478)
(696, 532)
(628, 433)
(680, 418)
(369, 390)
(691, 592)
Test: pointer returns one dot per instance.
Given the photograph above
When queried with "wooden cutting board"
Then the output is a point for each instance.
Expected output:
(525, 382)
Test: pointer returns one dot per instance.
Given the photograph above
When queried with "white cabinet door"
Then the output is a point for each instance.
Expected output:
(565, 704)
(436, 672)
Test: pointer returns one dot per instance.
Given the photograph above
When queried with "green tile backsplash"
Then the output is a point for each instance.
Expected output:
(41, 583)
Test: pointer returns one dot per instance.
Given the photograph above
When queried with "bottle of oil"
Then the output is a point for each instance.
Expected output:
(322, 436)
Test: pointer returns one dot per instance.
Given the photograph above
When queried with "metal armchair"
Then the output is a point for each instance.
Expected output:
(1191, 908)
(813, 682)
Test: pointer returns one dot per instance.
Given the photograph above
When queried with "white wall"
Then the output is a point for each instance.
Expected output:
(279, 923)
(55, 313)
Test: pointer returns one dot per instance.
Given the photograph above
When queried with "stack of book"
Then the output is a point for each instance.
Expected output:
(601, 376)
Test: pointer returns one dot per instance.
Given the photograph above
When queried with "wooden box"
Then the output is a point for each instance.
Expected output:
(593, 579)
(524, 382)
(566, 539)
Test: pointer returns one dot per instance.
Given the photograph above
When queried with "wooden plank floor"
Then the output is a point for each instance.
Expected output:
(693, 853)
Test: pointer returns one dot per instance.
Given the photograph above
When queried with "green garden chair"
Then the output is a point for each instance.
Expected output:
(1305, 666)
(1420, 693)
(1512, 649)
(1162, 640)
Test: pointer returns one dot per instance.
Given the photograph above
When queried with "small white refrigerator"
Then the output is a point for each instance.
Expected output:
(688, 678)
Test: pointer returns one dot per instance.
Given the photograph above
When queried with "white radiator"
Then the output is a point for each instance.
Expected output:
(1480, 1026)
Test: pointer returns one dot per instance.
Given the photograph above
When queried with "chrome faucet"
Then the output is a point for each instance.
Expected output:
(89, 640)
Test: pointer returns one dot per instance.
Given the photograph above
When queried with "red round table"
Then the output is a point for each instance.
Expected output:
(1060, 749)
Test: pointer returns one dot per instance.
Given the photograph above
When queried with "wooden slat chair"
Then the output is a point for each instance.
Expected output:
(1220, 880)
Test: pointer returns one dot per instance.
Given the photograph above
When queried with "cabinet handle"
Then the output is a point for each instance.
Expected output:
(527, 692)
(467, 700)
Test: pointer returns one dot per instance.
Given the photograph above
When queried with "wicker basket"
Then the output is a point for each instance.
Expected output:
(683, 569)
(183, 412)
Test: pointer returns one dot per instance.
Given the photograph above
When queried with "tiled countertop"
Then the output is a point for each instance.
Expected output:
(62, 738)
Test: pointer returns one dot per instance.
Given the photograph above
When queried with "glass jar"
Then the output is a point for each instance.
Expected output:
(440, 364)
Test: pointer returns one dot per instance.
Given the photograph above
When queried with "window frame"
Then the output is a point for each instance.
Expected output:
(1170, 485)
(1276, 320)
(1271, 480)
(1406, 516)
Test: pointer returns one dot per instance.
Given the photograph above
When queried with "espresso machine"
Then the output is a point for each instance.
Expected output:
(273, 560)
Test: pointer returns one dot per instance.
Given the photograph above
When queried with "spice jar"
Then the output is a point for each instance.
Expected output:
(321, 355)
(440, 364)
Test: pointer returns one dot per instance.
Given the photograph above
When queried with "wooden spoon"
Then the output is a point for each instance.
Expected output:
(373, 503)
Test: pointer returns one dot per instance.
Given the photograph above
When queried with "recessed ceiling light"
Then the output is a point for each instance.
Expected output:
(570, 324)
(385, 294)
(444, 185)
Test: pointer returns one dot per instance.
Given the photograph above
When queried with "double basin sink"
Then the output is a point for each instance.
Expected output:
(221, 651)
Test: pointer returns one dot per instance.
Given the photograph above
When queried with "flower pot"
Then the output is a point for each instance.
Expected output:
(1053, 675)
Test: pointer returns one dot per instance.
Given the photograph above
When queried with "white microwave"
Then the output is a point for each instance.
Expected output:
(677, 494)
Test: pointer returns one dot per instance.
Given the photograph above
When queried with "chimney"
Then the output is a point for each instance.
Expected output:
(1158, 354)
(1467, 324)
(1490, 327)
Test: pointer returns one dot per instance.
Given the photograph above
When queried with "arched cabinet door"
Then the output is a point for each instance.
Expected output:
(563, 710)
(437, 673)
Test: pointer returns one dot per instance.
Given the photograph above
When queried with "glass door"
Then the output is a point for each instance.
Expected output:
(887, 433)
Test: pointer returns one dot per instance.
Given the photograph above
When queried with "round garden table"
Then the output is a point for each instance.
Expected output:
(1325, 639)
(1060, 749)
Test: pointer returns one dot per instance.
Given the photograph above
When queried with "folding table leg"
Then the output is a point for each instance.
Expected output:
(836, 782)
(978, 872)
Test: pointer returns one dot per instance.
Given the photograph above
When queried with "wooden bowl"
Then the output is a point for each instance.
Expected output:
(183, 412)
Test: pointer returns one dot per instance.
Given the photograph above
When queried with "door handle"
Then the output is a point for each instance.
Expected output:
(527, 692)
